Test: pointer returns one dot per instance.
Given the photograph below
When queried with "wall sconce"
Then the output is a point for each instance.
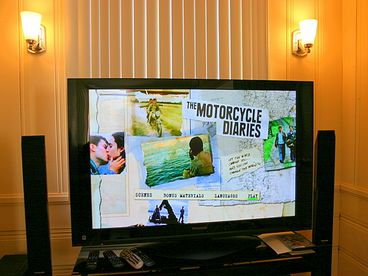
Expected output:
(34, 32)
(303, 39)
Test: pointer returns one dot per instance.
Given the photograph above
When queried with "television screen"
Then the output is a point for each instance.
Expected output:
(153, 157)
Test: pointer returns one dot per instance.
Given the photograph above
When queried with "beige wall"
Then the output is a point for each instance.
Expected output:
(323, 65)
(353, 240)
(192, 39)
(338, 65)
(33, 91)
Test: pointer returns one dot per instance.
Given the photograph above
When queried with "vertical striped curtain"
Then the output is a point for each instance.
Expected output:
(214, 39)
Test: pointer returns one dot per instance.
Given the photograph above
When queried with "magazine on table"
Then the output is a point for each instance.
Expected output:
(288, 242)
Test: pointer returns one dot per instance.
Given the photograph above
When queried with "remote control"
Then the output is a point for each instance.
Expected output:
(131, 258)
(114, 260)
(144, 257)
(92, 259)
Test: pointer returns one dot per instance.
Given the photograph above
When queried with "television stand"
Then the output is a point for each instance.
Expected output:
(246, 259)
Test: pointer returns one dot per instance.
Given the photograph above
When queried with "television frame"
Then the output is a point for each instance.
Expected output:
(80, 187)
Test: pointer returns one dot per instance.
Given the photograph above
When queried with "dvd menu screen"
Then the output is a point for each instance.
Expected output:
(164, 156)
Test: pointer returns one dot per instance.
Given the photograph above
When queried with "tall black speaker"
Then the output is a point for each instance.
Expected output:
(36, 205)
(324, 187)
(324, 197)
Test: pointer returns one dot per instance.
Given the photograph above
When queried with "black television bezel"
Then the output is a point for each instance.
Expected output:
(79, 171)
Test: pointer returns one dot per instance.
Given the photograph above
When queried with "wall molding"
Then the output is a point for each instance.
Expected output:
(57, 233)
(354, 190)
(352, 239)
(11, 199)
(60, 239)
(18, 199)
(354, 223)
(353, 214)
(351, 259)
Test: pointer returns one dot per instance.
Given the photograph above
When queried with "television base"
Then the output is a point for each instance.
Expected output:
(203, 249)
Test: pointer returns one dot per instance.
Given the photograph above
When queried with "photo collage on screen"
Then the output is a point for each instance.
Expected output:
(160, 156)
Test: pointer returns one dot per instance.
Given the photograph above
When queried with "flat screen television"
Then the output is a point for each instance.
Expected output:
(172, 159)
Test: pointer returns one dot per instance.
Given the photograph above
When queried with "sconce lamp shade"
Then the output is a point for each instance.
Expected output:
(308, 29)
(303, 39)
(34, 32)
(31, 22)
